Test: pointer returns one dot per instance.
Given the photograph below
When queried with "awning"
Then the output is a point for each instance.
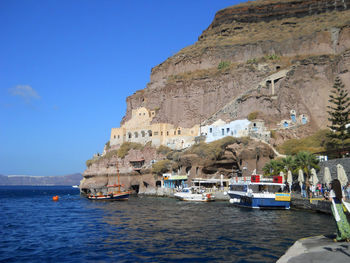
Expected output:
(177, 177)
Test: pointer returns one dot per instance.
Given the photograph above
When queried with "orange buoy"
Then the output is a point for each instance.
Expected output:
(55, 198)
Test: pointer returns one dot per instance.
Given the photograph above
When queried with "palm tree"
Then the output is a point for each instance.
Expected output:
(273, 167)
(305, 161)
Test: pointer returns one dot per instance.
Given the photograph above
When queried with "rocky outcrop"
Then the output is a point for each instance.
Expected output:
(308, 39)
(269, 57)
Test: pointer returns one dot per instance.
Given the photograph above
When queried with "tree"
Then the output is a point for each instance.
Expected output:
(339, 111)
(273, 167)
(305, 161)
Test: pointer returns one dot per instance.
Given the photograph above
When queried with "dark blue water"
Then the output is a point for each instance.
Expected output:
(33, 228)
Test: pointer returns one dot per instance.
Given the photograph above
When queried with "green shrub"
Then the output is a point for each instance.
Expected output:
(126, 147)
(272, 57)
(313, 143)
(163, 150)
(253, 115)
(213, 150)
(161, 167)
(223, 65)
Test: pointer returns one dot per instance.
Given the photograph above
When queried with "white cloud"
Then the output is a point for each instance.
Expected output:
(26, 92)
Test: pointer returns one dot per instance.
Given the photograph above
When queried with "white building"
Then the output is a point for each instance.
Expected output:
(221, 129)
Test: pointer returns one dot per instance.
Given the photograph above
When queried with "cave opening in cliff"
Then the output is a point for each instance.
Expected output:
(135, 188)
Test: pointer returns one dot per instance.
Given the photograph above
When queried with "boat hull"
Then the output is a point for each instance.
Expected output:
(112, 197)
(194, 197)
(258, 202)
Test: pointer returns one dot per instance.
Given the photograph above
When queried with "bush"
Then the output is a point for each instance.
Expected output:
(313, 143)
(212, 150)
(272, 57)
(223, 65)
(126, 147)
(163, 150)
(253, 115)
(161, 167)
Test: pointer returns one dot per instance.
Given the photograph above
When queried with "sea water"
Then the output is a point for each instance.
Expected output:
(34, 228)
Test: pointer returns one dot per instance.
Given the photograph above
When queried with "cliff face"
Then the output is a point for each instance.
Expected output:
(310, 40)
(266, 56)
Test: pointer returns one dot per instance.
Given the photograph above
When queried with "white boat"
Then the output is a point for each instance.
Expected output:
(75, 186)
(255, 193)
(194, 194)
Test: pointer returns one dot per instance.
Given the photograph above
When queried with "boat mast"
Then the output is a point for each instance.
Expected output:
(118, 175)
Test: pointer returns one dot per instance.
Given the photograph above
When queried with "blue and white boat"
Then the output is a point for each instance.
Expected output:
(253, 193)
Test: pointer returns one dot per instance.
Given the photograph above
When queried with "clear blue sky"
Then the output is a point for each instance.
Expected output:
(66, 68)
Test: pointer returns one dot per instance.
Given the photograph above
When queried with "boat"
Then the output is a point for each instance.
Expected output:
(255, 192)
(75, 186)
(194, 194)
(110, 194)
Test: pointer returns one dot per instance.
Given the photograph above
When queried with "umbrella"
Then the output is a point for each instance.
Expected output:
(301, 177)
(289, 179)
(314, 178)
(327, 176)
(342, 177)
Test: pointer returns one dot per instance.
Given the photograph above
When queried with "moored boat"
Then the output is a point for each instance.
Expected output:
(115, 194)
(256, 193)
(195, 195)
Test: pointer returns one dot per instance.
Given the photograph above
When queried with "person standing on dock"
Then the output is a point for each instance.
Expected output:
(343, 227)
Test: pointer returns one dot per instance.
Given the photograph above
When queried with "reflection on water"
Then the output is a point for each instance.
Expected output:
(145, 229)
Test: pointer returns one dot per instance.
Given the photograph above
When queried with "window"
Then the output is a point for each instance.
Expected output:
(136, 134)
(150, 133)
(210, 130)
(167, 133)
(118, 136)
(129, 135)
(227, 130)
(155, 133)
(161, 133)
(114, 136)
(174, 132)
(178, 132)
(222, 131)
(143, 133)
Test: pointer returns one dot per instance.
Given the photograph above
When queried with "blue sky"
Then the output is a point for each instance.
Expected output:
(66, 68)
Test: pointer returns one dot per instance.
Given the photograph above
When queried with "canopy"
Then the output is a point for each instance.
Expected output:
(289, 177)
(342, 177)
(314, 179)
(327, 178)
(300, 177)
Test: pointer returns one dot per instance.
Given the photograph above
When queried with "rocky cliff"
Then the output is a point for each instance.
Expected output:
(265, 56)
(309, 40)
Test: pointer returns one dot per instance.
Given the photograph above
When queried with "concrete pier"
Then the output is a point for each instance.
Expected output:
(317, 249)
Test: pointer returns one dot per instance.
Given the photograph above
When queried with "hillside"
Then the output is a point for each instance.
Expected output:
(71, 179)
(265, 58)
(309, 40)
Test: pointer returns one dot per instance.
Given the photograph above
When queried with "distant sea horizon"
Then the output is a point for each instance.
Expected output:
(33, 180)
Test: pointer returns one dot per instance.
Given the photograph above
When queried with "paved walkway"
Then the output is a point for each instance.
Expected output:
(317, 249)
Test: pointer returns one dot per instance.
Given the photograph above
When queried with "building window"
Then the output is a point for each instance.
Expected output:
(114, 136)
(210, 130)
(118, 136)
(136, 134)
(161, 133)
(129, 135)
(143, 133)
(167, 133)
(178, 132)
(227, 130)
(155, 133)
(174, 132)
(150, 133)
(139, 114)
(222, 131)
